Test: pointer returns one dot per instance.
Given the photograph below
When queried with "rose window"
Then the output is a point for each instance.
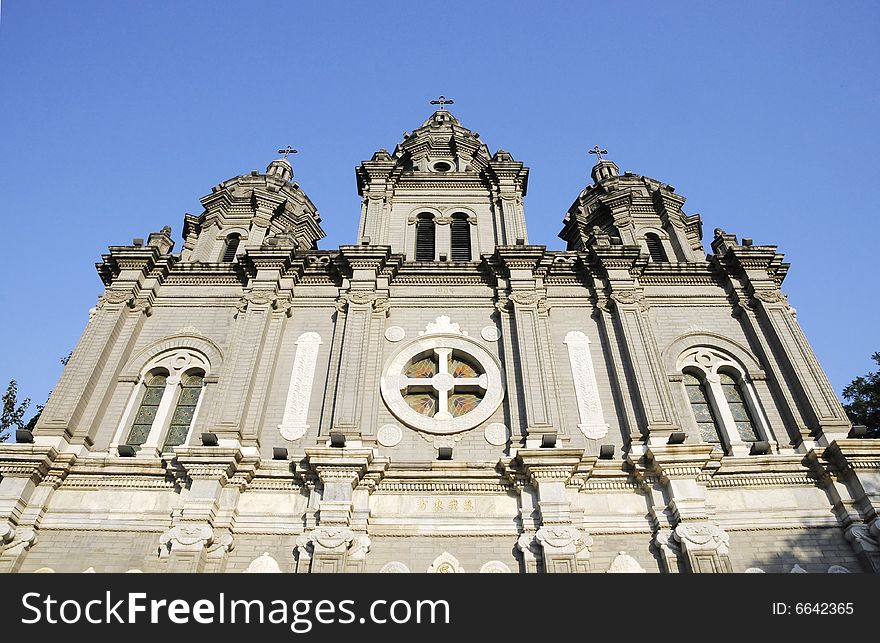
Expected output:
(442, 383)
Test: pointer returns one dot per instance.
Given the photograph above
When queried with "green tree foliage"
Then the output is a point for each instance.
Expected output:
(13, 411)
(863, 397)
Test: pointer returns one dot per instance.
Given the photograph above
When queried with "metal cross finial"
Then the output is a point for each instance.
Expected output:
(598, 152)
(442, 101)
(287, 151)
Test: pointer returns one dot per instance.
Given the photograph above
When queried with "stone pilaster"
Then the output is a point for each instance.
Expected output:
(362, 305)
(339, 542)
(562, 546)
(685, 534)
(27, 478)
(526, 301)
(850, 469)
(622, 295)
(755, 275)
(201, 532)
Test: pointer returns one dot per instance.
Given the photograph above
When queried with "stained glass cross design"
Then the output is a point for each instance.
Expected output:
(443, 383)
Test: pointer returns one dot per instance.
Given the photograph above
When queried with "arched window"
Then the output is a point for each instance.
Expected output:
(154, 388)
(231, 247)
(710, 430)
(425, 237)
(742, 416)
(187, 401)
(655, 247)
(461, 237)
(723, 400)
(163, 404)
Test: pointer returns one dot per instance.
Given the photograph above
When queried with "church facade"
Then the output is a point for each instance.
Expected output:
(442, 395)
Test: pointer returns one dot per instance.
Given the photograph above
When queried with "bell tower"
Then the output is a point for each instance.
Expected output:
(250, 211)
(440, 196)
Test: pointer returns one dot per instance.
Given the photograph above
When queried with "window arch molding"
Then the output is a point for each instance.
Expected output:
(167, 388)
(727, 386)
(184, 339)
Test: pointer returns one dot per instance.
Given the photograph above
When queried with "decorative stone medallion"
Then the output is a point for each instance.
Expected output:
(495, 567)
(754, 570)
(394, 333)
(497, 434)
(389, 435)
(490, 333)
(394, 567)
(838, 569)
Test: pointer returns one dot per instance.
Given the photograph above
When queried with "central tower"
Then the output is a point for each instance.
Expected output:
(441, 196)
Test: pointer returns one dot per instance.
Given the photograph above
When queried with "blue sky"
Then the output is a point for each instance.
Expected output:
(115, 117)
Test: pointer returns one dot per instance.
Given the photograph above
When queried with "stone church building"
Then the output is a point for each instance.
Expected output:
(442, 396)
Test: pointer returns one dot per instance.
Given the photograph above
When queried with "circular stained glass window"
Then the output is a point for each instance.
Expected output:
(442, 384)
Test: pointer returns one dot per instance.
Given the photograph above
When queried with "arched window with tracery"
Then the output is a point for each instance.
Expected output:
(722, 399)
(425, 237)
(164, 403)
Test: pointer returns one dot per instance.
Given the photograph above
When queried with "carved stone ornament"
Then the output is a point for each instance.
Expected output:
(185, 537)
(497, 434)
(332, 538)
(625, 564)
(490, 333)
(445, 563)
(838, 569)
(360, 547)
(703, 536)
(754, 570)
(394, 333)
(17, 539)
(389, 435)
(495, 567)
(299, 393)
(770, 296)
(394, 567)
(592, 423)
(797, 569)
(629, 297)
(443, 325)
(264, 564)
(563, 537)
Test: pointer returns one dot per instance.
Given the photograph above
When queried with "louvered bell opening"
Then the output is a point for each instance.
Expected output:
(425, 240)
(655, 248)
(461, 240)
(232, 242)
